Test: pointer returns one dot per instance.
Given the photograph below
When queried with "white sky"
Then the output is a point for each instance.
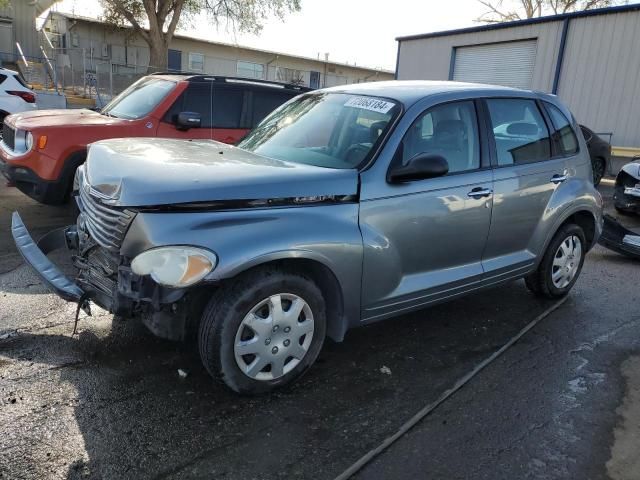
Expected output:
(352, 31)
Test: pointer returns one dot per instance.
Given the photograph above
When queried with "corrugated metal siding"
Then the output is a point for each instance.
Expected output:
(430, 58)
(23, 17)
(599, 76)
(509, 64)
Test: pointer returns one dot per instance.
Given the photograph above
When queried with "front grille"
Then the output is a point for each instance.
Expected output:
(99, 270)
(9, 136)
(106, 225)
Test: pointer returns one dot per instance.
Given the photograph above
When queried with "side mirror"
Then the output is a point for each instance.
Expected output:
(187, 120)
(420, 167)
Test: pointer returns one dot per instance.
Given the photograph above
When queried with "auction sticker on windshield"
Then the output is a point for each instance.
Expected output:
(368, 103)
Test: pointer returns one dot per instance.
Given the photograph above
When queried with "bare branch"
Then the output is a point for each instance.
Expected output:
(536, 8)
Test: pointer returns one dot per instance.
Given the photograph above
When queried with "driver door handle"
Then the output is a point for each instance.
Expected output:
(479, 192)
(557, 179)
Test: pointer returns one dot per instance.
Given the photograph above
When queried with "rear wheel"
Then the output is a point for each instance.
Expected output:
(561, 264)
(598, 165)
(263, 330)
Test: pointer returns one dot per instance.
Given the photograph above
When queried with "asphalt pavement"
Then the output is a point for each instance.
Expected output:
(563, 402)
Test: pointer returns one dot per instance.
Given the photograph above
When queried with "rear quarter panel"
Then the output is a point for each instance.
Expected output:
(576, 194)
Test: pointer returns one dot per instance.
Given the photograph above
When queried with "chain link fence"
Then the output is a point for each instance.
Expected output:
(85, 72)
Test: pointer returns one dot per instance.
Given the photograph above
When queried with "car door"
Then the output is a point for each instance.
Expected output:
(423, 240)
(197, 97)
(526, 175)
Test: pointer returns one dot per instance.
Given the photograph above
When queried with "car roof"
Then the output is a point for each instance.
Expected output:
(410, 91)
(200, 77)
(8, 71)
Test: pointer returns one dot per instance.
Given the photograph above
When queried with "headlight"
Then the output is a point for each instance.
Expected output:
(28, 141)
(175, 266)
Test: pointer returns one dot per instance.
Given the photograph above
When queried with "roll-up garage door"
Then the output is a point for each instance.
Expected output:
(509, 63)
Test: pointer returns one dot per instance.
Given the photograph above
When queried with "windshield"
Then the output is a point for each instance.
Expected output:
(139, 99)
(333, 130)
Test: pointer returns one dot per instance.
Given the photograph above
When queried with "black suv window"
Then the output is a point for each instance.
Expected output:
(520, 132)
(20, 80)
(265, 102)
(450, 130)
(229, 109)
(564, 137)
(196, 98)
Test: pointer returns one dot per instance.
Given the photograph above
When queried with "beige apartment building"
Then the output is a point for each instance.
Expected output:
(88, 45)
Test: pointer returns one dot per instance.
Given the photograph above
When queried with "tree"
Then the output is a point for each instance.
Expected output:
(501, 11)
(156, 20)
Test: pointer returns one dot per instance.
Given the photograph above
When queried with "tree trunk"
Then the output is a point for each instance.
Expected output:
(158, 57)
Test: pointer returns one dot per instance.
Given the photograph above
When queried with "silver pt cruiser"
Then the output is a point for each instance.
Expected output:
(343, 207)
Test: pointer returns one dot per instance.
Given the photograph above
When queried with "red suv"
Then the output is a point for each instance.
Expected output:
(41, 150)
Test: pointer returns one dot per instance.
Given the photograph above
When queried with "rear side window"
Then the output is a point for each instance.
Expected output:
(564, 137)
(20, 81)
(2, 78)
(265, 102)
(228, 108)
(520, 132)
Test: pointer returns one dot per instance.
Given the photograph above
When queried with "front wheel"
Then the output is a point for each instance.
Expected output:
(561, 264)
(263, 330)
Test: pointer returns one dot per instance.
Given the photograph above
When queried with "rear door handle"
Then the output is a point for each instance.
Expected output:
(479, 192)
(558, 179)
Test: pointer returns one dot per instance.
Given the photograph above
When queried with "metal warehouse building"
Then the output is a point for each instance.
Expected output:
(590, 59)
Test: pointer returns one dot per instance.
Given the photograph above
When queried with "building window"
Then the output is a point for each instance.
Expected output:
(289, 75)
(250, 70)
(196, 62)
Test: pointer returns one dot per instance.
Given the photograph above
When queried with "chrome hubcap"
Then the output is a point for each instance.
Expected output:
(274, 337)
(566, 261)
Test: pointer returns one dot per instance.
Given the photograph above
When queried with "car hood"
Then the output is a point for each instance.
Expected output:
(60, 118)
(154, 172)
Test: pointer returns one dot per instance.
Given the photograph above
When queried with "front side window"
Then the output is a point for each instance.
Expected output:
(139, 99)
(449, 130)
(250, 70)
(564, 137)
(333, 130)
(196, 62)
(519, 130)
(196, 98)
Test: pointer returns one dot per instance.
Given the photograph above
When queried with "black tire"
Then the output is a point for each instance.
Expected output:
(540, 282)
(598, 166)
(622, 211)
(225, 312)
(2, 117)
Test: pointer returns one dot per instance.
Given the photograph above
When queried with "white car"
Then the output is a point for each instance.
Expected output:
(15, 94)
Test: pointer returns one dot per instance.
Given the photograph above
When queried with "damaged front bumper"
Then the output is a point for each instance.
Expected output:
(163, 310)
(35, 255)
(619, 239)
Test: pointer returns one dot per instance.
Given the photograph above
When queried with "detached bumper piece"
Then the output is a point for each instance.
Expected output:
(619, 239)
(55, 280)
